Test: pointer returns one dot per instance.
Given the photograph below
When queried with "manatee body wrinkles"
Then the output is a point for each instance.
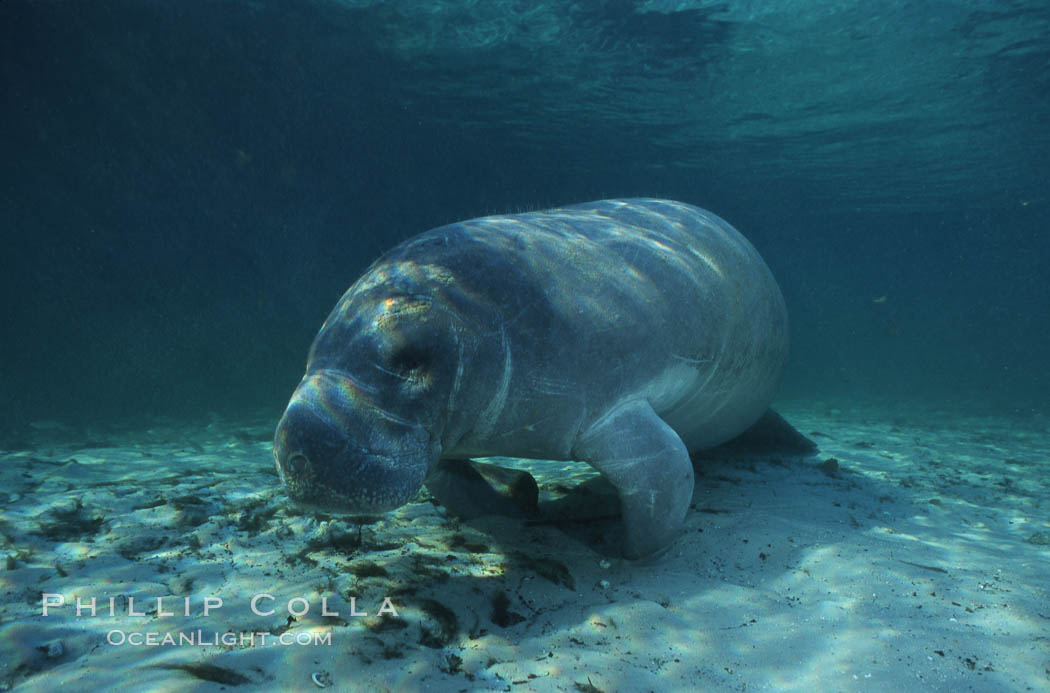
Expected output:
(622, 333)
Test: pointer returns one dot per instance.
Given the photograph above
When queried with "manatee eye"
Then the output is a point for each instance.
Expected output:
(408, 359)
(410, 362)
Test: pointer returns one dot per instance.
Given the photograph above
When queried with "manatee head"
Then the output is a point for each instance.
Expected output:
(336, 452)
(363, 428)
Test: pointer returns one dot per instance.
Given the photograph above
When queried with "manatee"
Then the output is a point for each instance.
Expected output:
(621, 333)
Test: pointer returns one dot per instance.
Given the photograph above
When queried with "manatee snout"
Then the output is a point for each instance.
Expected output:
(335, 453)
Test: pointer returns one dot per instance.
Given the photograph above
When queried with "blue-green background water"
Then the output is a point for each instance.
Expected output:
(187, 187)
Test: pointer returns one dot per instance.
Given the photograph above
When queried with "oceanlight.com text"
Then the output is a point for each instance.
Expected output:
(198, 637)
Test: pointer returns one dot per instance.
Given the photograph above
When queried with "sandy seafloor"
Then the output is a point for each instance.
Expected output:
(921, 563)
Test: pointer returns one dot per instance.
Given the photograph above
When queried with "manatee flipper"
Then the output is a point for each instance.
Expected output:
(649, 466)
(770, 436)
(470, 489)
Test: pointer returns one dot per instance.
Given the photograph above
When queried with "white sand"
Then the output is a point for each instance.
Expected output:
(922, 564)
